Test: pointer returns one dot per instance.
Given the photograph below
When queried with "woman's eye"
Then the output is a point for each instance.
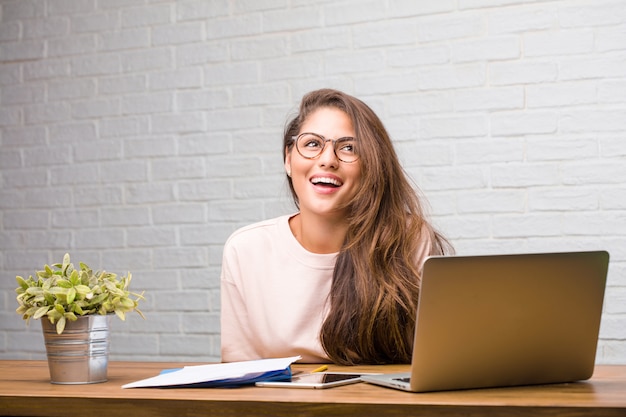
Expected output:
(348, 147)
(313, 143)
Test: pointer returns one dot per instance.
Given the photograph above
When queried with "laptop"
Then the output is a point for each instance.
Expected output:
(505, 320)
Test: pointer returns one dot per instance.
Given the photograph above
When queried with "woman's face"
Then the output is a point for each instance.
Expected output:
(324, 185)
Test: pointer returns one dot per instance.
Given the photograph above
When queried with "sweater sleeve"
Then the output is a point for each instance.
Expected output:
(235, 343)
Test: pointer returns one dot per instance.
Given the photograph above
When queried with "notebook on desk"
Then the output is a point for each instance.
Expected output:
(505, 320)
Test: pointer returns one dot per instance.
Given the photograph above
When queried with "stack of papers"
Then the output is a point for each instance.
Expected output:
(221, 374)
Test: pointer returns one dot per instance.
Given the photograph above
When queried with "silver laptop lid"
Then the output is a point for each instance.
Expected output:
(502, 320)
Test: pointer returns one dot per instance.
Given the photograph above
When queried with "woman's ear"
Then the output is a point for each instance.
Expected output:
(288, 162)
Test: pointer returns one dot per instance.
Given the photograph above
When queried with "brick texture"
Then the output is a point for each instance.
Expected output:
(138, 135)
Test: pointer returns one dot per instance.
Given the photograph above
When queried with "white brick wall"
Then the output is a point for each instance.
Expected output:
(138, 135)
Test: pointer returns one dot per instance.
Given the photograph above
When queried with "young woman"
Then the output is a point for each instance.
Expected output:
(338, 281)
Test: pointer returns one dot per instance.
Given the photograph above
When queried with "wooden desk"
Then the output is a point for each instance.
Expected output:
(25, 390)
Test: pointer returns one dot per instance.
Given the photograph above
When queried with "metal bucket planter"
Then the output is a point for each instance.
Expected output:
(80, 354)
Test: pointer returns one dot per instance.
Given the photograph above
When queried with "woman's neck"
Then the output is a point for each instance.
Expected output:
(318, 234)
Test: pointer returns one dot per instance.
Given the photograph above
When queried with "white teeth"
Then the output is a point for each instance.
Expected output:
(325, 180)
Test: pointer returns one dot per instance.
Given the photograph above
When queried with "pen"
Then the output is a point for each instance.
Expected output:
(320, 369)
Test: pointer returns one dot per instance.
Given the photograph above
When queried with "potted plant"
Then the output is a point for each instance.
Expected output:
(75, 305)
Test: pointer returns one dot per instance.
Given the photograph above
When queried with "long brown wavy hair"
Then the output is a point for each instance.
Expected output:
(376, 280)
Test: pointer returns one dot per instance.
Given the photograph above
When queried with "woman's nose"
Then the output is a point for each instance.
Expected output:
(328, 157)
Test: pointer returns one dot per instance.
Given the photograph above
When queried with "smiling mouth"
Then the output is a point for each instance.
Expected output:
(326, 182)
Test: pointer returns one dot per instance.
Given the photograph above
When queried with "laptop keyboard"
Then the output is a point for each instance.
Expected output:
(405, 379)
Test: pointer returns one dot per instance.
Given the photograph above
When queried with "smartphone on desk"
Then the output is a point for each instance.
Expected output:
(317, 380)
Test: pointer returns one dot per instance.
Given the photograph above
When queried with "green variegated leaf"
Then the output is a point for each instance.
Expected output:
(54, 315)
(61, 325)
(48, 298)
(83, 290)
(21, 282)
(34, 291)
(75, 278)
(65, 283)
(119, 313)
(99, 297)
(140, 313)
(71, 295)
(59, 290)
(127, 303)
(32, 311)
(84, 277)
(46, 273)
(41, 311)
(66, 262)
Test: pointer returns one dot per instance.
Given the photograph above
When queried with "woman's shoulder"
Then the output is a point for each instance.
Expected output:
(269, 228)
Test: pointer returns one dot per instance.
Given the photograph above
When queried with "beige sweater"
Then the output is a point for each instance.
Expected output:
(274, 294)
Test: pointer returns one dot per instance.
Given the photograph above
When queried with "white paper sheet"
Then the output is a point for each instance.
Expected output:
(213, 372)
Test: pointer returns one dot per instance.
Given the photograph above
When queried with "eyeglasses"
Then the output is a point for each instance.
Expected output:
(311, 145)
